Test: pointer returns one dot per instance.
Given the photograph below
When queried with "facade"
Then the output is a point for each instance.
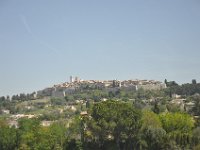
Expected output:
(71, 79)
(151, 86)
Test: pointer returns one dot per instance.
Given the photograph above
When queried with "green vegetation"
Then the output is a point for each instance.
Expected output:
(109, 120)
(108, 125)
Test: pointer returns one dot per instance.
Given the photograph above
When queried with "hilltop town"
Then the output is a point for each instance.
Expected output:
(76, 84)
(51, 101)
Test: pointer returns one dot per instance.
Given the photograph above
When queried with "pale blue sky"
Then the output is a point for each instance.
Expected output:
(43, 42)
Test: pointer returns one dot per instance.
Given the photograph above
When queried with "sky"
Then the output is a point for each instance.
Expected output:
(43, 42)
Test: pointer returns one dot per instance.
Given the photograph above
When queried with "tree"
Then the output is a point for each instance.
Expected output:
(196, 136)
(151, 132)
(73, 134)
(57, 101)
(115, 120)
(139, 104)
(165, 81)
(2, 98)
(8, 136)
(28, 128)
(154, 137)
(111, 94)
(156, 108)
(57, 131)
(196, 109)
(194, 81)
(88, 104)
(51, 137)
(150, 119)
(178, 127)
(32, 135)
(69, 98)
(171, 84)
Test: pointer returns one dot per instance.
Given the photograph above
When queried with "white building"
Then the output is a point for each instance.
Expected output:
(71, 79)
(5, 111)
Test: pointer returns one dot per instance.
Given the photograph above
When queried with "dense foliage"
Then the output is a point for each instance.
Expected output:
(108, 125)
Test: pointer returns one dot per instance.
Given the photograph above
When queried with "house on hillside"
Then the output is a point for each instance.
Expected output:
(5, 111)
(46, 123)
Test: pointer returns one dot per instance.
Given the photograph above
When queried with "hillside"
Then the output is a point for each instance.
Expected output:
(89, 116)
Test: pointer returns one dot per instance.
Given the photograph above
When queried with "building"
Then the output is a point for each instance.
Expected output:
(71, 79)
(5, 111)
(76, 79)
(46, 123)
(151, 86)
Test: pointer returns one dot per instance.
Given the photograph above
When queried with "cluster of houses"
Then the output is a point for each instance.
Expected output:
(13, 120)
(61, 90)
(182, 103)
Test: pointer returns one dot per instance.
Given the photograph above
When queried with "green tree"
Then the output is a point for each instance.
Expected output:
(194, 81)
(155, 137)
(28, 128)
(178, 127)
(8, 136)
(150, 119)
(58, 131)
(196, 108)
(115, 120)
(57, 101)
(165, 81)
(156, 108)
(51, 138)
(152, 134)
(196, 136)
(73, 134)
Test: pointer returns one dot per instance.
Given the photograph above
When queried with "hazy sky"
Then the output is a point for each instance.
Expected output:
(43, 42)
